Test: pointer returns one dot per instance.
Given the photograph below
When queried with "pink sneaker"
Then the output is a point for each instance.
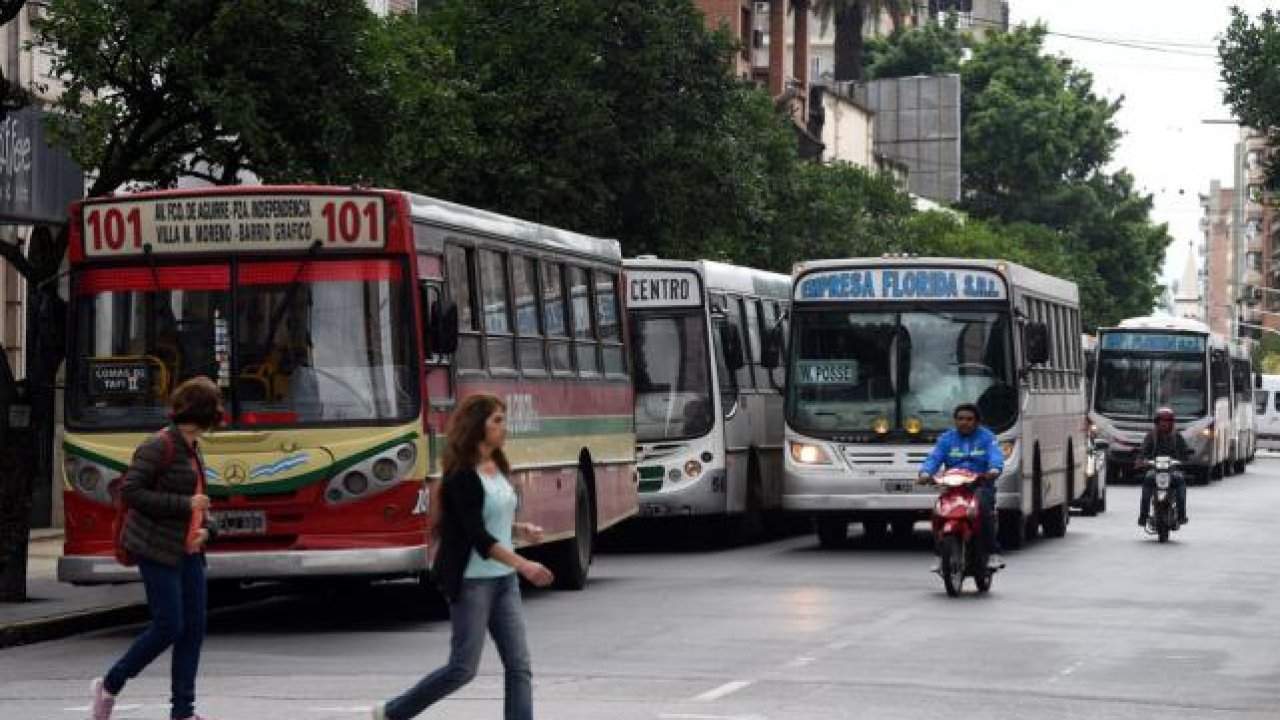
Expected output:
(103, 701)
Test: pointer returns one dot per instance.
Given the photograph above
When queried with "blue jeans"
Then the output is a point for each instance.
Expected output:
(178, 604)
(492, 603)
(987, 503)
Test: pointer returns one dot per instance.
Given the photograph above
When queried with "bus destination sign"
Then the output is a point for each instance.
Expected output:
(120, 228)
(663, 288)
(899, 284)
(1129, 341)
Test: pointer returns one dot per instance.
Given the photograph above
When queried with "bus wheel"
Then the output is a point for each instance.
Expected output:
(1012, 527)
(877, 531)
(570, 559)
(1054, 520)
(832, 532)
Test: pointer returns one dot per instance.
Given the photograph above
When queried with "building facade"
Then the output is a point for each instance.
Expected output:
(1217, 257)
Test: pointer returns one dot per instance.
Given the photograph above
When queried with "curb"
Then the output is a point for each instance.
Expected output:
(28, 632)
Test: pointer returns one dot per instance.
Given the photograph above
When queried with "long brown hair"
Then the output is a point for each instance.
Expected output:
(466, 430)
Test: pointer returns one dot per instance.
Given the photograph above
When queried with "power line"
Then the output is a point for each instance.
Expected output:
(1172, 47)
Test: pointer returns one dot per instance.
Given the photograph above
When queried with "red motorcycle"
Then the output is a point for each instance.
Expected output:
(957, 532)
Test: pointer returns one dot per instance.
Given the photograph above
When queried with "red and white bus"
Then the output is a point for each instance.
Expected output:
(342, 326)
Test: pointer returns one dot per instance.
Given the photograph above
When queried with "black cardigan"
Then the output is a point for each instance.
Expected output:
(461, 530)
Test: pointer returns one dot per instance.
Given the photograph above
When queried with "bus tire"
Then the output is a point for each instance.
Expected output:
(1054, 520)
(876, 531)
(832, 532)
(1012, 528)
(570, 560)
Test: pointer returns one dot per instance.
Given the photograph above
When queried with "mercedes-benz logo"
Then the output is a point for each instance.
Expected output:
(235, 472)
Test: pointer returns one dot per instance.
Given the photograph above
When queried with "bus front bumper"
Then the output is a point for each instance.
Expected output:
(282, 565)
(704, 496)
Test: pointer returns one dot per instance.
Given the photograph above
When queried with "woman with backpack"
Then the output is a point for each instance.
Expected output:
(475, 566)
(165, 530)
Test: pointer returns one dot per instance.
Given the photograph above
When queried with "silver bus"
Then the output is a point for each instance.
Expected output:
(708, 414)
(881, 352)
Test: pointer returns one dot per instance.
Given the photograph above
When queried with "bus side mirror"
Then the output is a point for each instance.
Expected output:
(771, 348)
(1035, 338)
(731, 342)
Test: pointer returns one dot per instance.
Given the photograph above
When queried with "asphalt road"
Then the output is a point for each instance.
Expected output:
(1104, 624)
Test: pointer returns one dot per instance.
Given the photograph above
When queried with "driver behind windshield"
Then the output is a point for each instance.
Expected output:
(974, 448)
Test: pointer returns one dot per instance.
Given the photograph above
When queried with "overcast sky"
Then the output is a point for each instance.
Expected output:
(1168, 94)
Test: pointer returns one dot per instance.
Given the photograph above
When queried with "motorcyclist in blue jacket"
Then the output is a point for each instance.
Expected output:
(972, 447)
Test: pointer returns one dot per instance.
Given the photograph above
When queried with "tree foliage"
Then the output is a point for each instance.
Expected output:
(1249, 54)
(160, 90)
(934, 48)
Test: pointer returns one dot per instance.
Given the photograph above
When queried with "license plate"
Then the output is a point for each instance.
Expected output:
(899, 486)
(650, 510)
(241, 522)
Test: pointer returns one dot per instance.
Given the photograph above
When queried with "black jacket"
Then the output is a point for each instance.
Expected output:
(159, 499)
(1171, 444)
(461, 530)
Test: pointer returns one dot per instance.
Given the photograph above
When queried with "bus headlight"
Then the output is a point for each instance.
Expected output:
(914, 426)
(407, 454)
(693, 468)
(385, 470)
(881, 426)
(88, 479)
(806, 454)
(1007, 447)
(355, 483)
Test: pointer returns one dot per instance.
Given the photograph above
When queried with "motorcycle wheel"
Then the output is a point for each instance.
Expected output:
(1162, 527)
(952, 552)
(983, 580)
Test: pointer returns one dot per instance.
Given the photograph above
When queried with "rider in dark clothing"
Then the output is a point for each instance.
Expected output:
(1164, 439)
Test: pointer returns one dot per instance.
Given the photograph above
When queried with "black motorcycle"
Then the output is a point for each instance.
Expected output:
(1162, 517)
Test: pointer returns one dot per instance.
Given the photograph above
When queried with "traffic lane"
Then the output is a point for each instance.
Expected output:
(785, 630)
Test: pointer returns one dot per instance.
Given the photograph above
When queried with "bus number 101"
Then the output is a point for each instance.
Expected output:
(346, 221)
(115, 227)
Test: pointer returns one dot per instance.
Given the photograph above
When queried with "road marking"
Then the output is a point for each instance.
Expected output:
(341, 710)
(118, 708)
(1066, 672)
(726, 689)
(696, 716)
(801, 662)
(839, 645)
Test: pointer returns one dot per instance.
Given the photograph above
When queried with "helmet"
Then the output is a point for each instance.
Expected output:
(1164, 413)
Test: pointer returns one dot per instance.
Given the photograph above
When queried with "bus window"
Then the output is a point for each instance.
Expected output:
(1260, 401)
(499, 355)
(459, 263)
(607, 320)
(583, 332)
(524, 276)
(559, 351)
(752, 338)
(737, 311)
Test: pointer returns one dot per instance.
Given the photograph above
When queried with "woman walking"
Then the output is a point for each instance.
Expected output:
(475, 565)
(166, 532)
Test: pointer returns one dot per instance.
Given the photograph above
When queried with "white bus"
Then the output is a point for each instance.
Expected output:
(708, 415)
(1244, 423)
(882, 351)
(1266, 399)
(1151, 362)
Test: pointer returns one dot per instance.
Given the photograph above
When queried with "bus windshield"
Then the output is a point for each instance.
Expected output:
(307, 341)
(672, 375)
(852, 370)
(1134, 386)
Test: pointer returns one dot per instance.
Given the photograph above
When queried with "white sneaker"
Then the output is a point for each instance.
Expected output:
(995, 562)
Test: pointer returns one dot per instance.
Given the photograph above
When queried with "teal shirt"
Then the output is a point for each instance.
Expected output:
(499, 515)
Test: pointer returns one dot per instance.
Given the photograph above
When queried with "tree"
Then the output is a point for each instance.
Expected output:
(1249, 53)
(616, 118)
(1030, 121)
(850, 18)
(934, 48)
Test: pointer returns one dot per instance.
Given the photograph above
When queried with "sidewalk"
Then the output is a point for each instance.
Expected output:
(55, 609)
